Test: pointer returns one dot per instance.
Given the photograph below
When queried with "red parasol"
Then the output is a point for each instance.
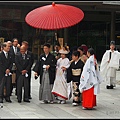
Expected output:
(55, 16)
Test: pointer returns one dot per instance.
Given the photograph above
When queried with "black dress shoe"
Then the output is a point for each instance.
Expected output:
(8, 100)
(111, 86)
(30, 97)
(27, 101)
(45, 101)
(1, 105)
(108, 87)
(19, 101)
(1, 101)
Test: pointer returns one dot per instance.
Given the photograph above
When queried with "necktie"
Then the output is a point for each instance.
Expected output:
(23, 55)
(6, 55)
(15, 50)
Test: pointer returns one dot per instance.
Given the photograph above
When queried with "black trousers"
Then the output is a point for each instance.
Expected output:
(17, 77)
(29, 83)
(22, 82)
(5, 82)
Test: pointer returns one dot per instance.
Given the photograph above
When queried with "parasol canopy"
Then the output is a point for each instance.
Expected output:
(55, 16)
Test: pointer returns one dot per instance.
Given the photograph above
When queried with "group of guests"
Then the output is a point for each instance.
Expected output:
(15, 70)
(63, 75)
(62, 78)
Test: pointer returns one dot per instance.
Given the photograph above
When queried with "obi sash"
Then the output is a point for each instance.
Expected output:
(76, 72)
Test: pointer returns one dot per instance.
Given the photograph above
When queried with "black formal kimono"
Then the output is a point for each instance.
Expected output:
(22, 63)
(73, 74)
(47, 77)
(5, 63)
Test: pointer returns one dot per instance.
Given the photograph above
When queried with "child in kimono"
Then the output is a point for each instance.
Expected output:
(74, 73)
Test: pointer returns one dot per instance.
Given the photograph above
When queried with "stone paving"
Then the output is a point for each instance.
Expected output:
(108, 106)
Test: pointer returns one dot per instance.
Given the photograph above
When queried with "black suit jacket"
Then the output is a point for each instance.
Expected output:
(22, 64)
(5, 63)
(12, 52)
(50, 60)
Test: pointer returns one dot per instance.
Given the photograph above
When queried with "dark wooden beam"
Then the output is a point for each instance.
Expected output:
(86, 5)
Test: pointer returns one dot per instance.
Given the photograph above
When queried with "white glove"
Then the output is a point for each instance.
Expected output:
(26, 75)
(44, 66)
(8, 74)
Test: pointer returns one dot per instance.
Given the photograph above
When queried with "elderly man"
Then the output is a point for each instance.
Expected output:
(23, 64)
(25, 43)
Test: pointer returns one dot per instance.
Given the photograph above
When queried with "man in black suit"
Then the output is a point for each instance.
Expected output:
(23, 64)
(5, 72)
(13, 50)
(25, 43)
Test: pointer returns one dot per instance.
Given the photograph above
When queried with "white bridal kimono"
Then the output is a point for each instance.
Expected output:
(90, 77)
(60, 87)
(108, 70)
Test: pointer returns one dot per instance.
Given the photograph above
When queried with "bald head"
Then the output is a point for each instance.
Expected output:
(25, 43)
(22, 49)
(25, 47)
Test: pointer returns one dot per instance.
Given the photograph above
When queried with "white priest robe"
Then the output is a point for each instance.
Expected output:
(90, 76)
(108, 69)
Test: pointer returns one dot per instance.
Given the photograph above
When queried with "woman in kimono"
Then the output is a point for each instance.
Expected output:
(83, 56)
(73, 74)
(60, 84)
(90, 81)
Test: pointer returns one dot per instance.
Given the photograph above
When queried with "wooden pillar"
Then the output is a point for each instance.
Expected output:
(113, 20)
(65, 36)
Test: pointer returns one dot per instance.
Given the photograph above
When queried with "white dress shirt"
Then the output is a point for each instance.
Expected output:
(15, 49)
(6, 54)
(44, 66)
